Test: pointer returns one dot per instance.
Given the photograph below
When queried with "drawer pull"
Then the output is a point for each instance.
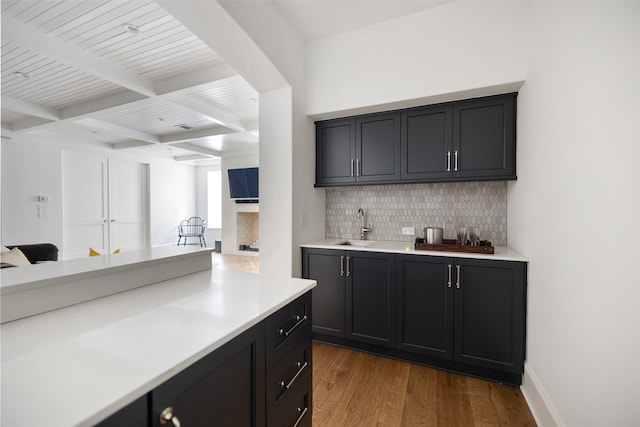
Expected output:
(295, 377)
(299, 321)
(303, 412)
(166, 416)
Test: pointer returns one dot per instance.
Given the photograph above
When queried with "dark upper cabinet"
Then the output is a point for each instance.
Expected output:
(378, 148)
(484, 138)
(358, 150)
(354, 296)
(427, 143)
(458, 141)
(335, 151)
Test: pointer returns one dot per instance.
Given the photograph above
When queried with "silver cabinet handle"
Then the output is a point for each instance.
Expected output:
(302, 412)
(449, 281)
(458, 277)
(341, 266)
(455, 163)
(113, 220)
(448, 161)
(299, 321)
(348, 266)
(288, 385)
(166, 416)
(358, 167)
(352, 162)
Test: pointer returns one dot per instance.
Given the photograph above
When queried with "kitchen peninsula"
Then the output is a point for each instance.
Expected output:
(78, 365)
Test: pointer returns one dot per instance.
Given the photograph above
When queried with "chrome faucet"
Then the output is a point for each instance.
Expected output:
(363, 229)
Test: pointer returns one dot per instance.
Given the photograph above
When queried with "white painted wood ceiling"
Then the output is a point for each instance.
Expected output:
(92, 80)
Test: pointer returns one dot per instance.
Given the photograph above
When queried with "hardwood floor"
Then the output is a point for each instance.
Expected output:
(246, 263)
(351, 388)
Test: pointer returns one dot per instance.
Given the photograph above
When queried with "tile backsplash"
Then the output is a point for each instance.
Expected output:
(388, 208)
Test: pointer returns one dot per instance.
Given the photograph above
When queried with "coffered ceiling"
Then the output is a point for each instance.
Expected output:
(121, 73)
(129, 75)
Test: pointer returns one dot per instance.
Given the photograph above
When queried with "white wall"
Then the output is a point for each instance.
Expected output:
(202, 200)
(577, 196)
(33, 166)
(456, 51)
(574, 208)
(229, 207)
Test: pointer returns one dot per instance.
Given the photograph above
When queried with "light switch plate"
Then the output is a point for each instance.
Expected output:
(408, 231)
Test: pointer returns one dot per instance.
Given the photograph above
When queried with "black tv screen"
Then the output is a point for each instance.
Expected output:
(243, 183)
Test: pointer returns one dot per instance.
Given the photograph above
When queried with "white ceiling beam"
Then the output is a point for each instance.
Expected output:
(196, 80)
(219, 117)
(37, 41)
(195, 134)
(29, 108)
(30, 123)
(130, 144)
(198, 149)
(103, 104)
(191, 157)
(114, 129)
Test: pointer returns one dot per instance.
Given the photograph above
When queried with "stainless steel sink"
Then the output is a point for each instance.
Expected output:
(359, 243)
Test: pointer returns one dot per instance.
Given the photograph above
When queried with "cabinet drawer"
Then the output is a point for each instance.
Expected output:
(286, 328)
(290, 374)
(293, 409)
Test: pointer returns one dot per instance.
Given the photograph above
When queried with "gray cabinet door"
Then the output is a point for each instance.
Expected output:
(371, 298)
(335, 152)
(484, 138)
(426, 143)
(489, 314)
(425, 305)
(327, 268)
(378, 148)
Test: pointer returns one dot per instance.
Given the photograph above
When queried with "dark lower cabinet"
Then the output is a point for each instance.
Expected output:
(461, 314)
(224, 388)
(354, 297)
(260, 378)
(466, 310)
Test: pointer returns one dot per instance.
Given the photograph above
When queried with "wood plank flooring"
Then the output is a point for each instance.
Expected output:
(352, 388)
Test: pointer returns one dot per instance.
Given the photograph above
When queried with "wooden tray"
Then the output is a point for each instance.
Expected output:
(450, 245)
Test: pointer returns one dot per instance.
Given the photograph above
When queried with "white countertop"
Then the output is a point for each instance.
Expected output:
(77, 365)
(502, 253)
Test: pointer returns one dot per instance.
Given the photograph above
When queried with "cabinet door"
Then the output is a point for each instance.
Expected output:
(484, 138)
(378, 148)
(225, 388)
(335, 152)
(327, 268)
(135, 414)
(370, 298)
(426, 143)
(489, 314)
(425, 305)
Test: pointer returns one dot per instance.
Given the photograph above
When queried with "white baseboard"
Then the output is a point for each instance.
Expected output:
(541, 407)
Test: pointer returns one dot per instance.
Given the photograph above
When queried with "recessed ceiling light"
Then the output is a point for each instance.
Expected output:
(182, 126)
(131, 28)
(22, 75)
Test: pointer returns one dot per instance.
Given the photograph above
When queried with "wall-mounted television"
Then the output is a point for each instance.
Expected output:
(243, 184)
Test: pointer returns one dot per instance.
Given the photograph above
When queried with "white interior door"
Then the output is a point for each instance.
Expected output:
(105, 205)
(85, 204)
(128, 205)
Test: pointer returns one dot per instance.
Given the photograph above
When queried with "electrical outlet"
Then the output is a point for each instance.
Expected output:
(408, 231)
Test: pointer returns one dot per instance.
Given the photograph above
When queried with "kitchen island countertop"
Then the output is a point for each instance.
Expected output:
(502, 253)
(77, 365)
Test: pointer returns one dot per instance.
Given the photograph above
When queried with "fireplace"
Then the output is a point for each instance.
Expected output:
(247, 230)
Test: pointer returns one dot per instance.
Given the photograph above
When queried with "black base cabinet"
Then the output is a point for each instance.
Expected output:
(461, 314)
(354, 297)
(260, 378)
